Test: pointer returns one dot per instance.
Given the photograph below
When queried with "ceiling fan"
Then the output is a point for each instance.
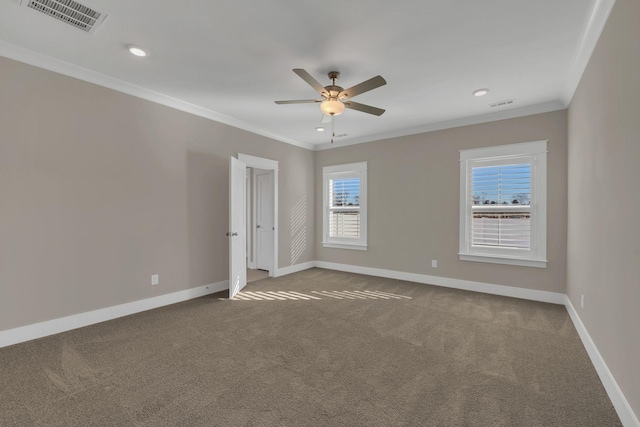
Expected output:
(336, 99)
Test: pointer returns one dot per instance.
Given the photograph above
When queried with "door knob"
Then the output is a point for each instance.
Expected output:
(257, 226)
(231, 234)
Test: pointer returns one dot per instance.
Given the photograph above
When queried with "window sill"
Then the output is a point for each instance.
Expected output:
(344, 246)
(504, 260)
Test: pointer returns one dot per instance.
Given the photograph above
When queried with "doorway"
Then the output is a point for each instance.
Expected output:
(261, 249)
(254, 274)
(260, 226)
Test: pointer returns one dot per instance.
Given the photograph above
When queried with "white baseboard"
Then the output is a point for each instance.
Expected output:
(63, 324)
(295, 268)
(487, 288)
(620, 403)
(626, 414)
(39, 330)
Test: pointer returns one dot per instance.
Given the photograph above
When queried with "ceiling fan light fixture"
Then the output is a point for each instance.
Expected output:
(332, 107)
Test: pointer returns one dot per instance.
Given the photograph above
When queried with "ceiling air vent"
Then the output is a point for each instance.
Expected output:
(502, 103)
(73, 13)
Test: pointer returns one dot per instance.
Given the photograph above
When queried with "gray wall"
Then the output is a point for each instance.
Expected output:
(99, 190)
(604, 207)
(414, 199)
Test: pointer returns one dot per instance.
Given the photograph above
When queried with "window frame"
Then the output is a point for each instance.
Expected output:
(533, 153)
(349, 170)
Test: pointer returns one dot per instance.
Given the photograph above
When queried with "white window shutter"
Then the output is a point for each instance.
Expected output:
(503, 204)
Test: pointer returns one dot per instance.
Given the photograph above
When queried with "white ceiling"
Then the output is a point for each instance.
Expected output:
(230, 59)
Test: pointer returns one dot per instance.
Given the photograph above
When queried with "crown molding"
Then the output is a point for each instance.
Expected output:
(593, 27)
(39, 60)
(465, 121)
(600, 11)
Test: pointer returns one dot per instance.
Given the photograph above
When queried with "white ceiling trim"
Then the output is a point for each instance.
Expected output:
(449, 124)
(590, 36)
(39, 60)
(591, 32)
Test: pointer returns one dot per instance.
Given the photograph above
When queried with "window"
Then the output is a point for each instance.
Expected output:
(503, 204)
(345, 206)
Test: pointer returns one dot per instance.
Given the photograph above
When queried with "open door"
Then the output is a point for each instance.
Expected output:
(237, 227)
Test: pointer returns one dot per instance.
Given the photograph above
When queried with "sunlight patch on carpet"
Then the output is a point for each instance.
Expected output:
(292, 295)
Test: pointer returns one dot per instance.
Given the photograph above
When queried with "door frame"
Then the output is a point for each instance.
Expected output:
(272, 167)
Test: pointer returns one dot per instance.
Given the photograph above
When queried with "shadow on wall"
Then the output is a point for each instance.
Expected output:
(207, 216)
(298, 229)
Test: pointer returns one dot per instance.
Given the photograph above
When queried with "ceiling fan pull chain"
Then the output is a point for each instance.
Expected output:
(333, 132)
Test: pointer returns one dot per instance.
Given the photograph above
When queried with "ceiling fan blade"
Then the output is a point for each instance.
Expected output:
(300, 101)
(309, 79)
(326, 118)
(363, 87)
(364, 108)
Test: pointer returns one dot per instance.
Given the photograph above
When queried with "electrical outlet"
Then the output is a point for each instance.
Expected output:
(582, 301)
(155, 279)
(434, 263)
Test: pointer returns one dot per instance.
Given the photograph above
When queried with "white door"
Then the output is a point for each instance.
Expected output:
(237, 227)
(264, 221)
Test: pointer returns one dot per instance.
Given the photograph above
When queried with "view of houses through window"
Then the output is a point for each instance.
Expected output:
(344, 207)
(344, 222)
(501, 211)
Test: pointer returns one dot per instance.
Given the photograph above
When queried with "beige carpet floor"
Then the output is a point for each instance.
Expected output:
(354, 355)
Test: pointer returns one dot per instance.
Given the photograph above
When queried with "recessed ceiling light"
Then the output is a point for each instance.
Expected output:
(320, 129)
(480, 92)
(136, 50)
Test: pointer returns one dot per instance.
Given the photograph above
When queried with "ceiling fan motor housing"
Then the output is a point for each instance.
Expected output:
(333, 91)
